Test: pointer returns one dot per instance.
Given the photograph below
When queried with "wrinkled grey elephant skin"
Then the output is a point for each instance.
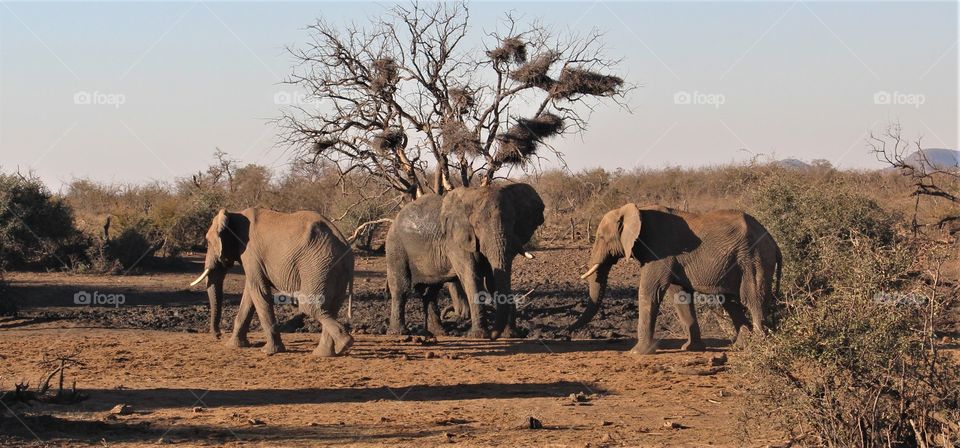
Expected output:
(725, 256)
(467, 237)
(299, 253)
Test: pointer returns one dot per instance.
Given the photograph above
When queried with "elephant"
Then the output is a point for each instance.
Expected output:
(468, 238)
(299, 252)
(725, 253)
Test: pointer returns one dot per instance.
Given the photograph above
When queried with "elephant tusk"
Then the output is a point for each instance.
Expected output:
(528, 255)
(201, 277)
(591, 271)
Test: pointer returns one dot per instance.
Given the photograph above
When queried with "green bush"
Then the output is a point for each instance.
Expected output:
(829, 234)
(36, 228)
(853, 360)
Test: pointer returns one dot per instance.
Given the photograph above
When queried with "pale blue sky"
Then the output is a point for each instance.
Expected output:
(796, 79)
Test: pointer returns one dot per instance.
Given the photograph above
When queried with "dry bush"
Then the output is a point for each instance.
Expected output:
(854, 360)
(37, 228)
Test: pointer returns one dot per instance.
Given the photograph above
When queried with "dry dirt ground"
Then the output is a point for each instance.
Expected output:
(153, 354)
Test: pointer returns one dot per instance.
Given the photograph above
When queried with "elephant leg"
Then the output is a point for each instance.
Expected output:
(687, 312)
(241, 324)
(505, 325)
(431, 311)
(751, 295)
(461, 309)
(737, 315)
(398, 284)
(268, 320)
(650, 295)
(470, 284)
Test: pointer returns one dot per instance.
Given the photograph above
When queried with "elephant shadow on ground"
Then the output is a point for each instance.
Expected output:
(147, 400)
(51, 429)
(547, 346)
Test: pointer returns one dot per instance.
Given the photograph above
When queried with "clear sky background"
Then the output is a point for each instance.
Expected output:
(797, 79)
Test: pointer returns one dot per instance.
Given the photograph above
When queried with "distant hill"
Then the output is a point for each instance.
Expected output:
(936, 158)
(796, 164)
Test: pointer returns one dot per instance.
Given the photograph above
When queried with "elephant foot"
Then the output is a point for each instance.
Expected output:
(511, 332)
(694, 346)
(329, 347)
(477, 333)
(644, 348)
(435, 329)
(273, 348)
(397, 331)
(741, 339)
(449, 313)
(216, 334)
(237, 342)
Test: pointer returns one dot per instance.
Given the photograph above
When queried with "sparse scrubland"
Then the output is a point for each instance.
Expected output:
(863, 320)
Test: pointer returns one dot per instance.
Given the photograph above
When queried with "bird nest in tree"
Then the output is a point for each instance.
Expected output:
(520, 141)
(323, 144)
(578, 81)
(385, 75)
(457, 139)
(461, 100)
(512, 48)
(389, 140)
(535, 71)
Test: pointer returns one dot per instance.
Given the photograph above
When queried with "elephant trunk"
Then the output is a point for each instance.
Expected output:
(598, 287)
(215, 294)
(500, 255)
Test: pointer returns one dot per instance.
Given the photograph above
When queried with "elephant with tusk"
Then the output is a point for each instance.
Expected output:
(298, 252)
(725, 255)
(467, 239)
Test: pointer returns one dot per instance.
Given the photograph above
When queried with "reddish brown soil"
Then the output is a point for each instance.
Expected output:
(153, 354)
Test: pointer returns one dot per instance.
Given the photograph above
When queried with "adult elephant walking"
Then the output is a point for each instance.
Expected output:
(724, 252)
(470, 235)
(300, 253)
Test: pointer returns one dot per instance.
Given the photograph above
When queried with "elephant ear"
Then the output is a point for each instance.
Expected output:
(455, 225)
(220, 225)
(629, 228)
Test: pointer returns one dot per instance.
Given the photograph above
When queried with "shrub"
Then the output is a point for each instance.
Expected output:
(854, 359)
(7, 306)
(37, 229)
(830, 235)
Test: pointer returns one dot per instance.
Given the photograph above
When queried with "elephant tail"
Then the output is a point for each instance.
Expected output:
(350, 300)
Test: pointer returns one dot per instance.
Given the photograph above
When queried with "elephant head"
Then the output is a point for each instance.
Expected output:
(617, 234)
(498, 222)
(226, 240)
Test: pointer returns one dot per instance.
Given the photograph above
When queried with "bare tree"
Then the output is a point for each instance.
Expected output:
(403, 100)
(929, 178)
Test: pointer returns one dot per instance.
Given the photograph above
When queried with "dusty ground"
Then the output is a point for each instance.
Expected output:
(153, 354)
